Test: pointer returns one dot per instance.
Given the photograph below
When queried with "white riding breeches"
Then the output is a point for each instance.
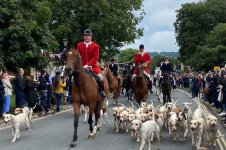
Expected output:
(100, 76)
(148, 75)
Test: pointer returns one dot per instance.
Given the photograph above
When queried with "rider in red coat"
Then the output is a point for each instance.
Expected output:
(145, 59)
(89, 52)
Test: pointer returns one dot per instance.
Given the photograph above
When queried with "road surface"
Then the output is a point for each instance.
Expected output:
(55, 133)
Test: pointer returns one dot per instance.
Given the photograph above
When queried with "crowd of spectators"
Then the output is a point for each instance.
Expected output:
(48, 93)
(209, 86)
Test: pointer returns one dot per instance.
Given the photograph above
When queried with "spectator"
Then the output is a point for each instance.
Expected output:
(49, 90)
(2, 92)
(58, 86)
(43, 89)
(19, 88)
(31, 94)
(195, 87)
(214, 84)
(223, 113)
(8, 92)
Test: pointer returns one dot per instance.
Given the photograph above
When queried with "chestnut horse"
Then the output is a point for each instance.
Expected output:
(84, 91)
(140, 85)
(114, 84)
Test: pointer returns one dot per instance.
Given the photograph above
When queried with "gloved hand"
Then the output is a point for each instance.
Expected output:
(144, 65)
(87, 67)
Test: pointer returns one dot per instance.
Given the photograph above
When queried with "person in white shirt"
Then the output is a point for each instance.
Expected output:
(8, 92)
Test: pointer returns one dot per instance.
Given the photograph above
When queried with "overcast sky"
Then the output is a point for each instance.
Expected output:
(158, 26)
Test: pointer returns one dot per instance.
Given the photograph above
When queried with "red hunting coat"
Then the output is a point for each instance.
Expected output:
(90, 55)
(142, 59)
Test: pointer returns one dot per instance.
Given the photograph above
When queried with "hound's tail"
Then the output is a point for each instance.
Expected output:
(121, 104)
(34, 106)
(132, 106)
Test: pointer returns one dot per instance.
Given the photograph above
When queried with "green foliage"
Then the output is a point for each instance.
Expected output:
(127, 55)
(194, 22)
(24, 32)
(213, 53)
(27, 26)
(113, 23)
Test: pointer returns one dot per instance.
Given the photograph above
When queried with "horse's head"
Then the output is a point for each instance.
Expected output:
(165, 74)
(140, 70)
(73, 61)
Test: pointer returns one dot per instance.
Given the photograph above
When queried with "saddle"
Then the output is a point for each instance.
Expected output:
(100, 84)
(92, 74)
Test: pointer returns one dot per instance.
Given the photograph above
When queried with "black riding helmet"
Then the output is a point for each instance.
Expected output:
(141, 46)
(87, 32)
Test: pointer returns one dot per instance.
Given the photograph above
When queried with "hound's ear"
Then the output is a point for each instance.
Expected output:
(140, 122)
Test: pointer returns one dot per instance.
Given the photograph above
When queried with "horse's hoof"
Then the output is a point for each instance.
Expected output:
(73, 144)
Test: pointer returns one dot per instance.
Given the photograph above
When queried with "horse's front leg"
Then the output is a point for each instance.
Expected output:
(90, 121)
(96, 127)
(76, 121)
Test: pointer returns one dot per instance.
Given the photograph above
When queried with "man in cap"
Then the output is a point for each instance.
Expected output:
(145, 59)
(114, 68)
(166, 66)
(89, 52)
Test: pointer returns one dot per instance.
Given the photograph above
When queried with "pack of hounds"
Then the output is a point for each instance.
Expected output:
(144, 123)
(149, 121)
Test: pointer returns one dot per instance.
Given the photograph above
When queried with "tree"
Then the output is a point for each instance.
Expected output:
(113, 23)
(194, 22)
(127, 55)
(24, 32)
(213, 53)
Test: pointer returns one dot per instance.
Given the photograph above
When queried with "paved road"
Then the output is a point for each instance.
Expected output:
(55, 133)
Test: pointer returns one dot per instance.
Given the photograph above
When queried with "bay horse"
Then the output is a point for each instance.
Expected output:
(140, 85)
(84, 91)
(166, 87)
(126, 81)
(114, 84)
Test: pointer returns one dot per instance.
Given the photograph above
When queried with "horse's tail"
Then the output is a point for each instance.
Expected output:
(157, 107)
(176, 101)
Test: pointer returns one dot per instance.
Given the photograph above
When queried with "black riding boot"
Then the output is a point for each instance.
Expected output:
(102, 92)
(150, 85)
(132, 83)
